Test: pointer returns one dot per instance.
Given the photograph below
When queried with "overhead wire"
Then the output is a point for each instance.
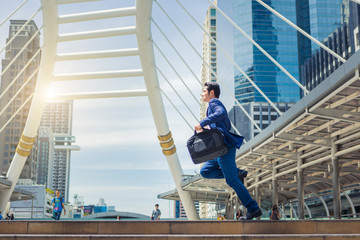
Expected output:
(205, 62)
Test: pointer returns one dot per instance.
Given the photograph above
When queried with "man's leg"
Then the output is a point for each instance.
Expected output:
(211, 169)
(230, 172)
(242, 174)
(57, 215)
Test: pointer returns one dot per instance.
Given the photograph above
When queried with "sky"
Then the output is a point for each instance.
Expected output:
(120, 158)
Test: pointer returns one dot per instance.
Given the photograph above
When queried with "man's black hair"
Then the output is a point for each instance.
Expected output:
(213, 86)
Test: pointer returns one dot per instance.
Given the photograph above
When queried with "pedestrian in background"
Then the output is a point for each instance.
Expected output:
(155, 215)
(9, 216)
(58, 205)
(220, 217)
(240, 215)
(275, 215)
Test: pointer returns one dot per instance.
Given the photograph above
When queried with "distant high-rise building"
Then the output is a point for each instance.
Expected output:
(179, 211)
(262, 114)
(209, 53)
(57, 118)
(207, 210)
(16, 75)
(45, 153)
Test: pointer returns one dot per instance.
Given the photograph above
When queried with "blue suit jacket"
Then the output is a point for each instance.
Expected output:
(217, 117)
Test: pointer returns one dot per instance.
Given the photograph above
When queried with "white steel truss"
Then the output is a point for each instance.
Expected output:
(142, 30)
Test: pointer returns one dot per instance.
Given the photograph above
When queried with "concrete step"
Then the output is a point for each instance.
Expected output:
(180, 236)
(181, 227)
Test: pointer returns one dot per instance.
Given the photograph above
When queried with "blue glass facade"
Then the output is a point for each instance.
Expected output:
(288, 47)
(277, 38)
(325, 17)
(342, 41)
(281, 41)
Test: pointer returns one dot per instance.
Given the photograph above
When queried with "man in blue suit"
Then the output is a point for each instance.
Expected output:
(225, 166)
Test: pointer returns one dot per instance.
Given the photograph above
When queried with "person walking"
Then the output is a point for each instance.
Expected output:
(275, 215)
(225, 166)
(155, 215)
(1, 217)
(240, 215)
(9, 216)
(58, 205)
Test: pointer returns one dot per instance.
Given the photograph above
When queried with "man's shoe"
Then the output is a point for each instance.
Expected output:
(253, 214)
(242, 174)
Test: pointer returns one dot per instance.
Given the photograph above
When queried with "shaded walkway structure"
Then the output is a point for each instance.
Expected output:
(313, 148)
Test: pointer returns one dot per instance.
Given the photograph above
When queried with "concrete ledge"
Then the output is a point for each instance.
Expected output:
(183, 236)
(181, 227)
(13, 227)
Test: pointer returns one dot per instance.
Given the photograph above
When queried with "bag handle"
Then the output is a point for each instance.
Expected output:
(203, 130)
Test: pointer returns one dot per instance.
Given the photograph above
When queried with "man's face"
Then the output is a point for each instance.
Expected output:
(205, 95)
(156, 207)
(57, 192)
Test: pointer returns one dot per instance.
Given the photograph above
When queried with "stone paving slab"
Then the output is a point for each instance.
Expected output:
(181, 236)
(181, 227)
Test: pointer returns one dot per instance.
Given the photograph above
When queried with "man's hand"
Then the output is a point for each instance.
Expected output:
(198, 127)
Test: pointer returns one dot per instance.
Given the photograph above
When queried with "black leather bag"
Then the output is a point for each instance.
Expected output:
(206, 145)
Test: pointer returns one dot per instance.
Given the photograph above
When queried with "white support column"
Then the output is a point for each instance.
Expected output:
(300, 182)
(335, 180)
(282, 209)
(275, 193)
(146, 52)
(45, 75)
(257, 191)
(293, 211)
(351, 203)
(308, 209)
(325, 206)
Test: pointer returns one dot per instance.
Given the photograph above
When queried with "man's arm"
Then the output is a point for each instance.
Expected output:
(159, 215)
(218, 113)
(62, 204)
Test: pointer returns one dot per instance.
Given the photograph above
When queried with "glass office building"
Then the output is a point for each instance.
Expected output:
(343, 40)
(324, 17)
(280, 40)
(288, 47)
(276, 37)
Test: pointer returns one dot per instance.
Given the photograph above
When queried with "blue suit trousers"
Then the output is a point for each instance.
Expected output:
(225, 167)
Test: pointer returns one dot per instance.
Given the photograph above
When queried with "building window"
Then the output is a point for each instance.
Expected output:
(213, 22)
(213, 12)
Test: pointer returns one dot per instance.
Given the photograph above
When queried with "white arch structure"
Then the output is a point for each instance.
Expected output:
(142, 30)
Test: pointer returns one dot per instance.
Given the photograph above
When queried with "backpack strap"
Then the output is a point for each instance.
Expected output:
(61, 200)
